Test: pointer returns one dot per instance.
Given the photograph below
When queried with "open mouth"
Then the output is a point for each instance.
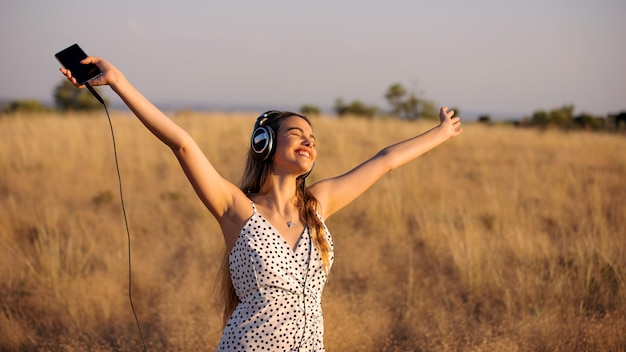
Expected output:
(303, 153)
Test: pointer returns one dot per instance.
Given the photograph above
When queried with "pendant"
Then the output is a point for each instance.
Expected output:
(290, 224)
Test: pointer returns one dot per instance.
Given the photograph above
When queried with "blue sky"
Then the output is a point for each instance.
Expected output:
(504, 58)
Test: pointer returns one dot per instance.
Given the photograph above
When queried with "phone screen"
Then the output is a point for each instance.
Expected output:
(70, 59)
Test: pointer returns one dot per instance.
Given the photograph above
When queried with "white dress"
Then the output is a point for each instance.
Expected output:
(280, 291)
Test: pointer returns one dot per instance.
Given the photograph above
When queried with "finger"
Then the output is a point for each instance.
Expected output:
(443, 114)
(447, 112)
(68, 75)
(89, 60)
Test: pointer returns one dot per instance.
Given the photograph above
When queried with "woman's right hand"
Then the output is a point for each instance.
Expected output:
(110, 75)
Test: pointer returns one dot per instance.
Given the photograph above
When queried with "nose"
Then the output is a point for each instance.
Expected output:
(307, 141)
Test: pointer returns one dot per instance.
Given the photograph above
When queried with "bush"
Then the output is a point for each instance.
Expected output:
(28, 105)
(308, 109)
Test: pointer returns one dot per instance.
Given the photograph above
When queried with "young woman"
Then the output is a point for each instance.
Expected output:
(279, 250)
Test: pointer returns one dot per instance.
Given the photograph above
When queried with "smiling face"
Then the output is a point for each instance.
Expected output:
(295, 147)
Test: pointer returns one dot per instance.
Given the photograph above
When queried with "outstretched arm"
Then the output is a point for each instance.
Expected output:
(215, 192)
(335, 193)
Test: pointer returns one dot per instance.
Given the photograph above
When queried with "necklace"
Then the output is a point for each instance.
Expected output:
(290, 223)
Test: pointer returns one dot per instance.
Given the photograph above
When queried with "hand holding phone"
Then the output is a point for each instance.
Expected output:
(70, 58)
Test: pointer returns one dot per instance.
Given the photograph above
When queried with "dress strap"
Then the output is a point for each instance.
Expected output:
(253, 206)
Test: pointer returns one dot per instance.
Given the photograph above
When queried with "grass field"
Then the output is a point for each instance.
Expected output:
(502, 239)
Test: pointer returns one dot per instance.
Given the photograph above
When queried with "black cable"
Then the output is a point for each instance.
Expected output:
(119, 180)
(306, 273)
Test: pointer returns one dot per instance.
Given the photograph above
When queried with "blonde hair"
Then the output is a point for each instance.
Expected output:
(255, 177)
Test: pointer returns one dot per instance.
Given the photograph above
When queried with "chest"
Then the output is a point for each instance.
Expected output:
(290, 230)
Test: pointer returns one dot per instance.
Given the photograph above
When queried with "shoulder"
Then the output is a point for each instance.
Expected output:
(320, 191)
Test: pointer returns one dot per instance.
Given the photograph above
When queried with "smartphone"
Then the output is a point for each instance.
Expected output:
(71, 57)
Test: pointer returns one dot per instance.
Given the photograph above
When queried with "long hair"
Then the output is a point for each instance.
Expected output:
(256, 180)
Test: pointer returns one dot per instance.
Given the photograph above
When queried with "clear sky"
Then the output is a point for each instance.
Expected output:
(499, 57)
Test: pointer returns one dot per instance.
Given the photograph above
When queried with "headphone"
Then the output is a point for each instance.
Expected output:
(262, 141)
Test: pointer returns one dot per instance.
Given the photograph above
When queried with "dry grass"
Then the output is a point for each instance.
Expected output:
(500, 240)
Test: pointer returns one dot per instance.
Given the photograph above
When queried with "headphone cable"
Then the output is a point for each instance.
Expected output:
(119, 180)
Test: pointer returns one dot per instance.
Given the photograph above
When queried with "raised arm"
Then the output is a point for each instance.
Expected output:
(335, 193)
(215, 192)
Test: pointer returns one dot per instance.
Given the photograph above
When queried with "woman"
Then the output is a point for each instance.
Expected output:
(278, 248)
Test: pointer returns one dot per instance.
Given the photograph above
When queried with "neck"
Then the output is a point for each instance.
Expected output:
(279, 190)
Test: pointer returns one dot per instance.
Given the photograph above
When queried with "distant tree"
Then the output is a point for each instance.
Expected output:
(618, 121)
(308, 109)
(356, 108)
(429, 110)
(340, 107)
(486, 119)
(67, 98)
(540, 118)
(395, 96)
(28, 105)
(408, 105)
(411, 108)
(562, 117)
(589, 122)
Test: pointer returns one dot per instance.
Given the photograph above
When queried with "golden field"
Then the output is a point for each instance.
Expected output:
(501, 239)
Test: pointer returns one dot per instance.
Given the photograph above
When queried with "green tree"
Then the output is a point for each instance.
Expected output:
(563, 116)
(28, 105)
(540, 118)
(395, 96)
(356, 108)
(589, 122)
(67, 98)
(485, 119)
(309, 109)
(409, 106)
(429, 110)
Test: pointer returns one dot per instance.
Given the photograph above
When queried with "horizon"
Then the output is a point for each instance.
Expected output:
(202, 107)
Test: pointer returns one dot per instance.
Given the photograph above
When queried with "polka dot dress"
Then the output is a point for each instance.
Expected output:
(280, 290)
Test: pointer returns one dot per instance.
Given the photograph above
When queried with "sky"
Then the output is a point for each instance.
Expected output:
(504, 58)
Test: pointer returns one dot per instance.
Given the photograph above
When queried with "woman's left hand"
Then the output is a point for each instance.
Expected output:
(451, 126)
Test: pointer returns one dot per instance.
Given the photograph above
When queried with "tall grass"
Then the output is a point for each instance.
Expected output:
(502, 239)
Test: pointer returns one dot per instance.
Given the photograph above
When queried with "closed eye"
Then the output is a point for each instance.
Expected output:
(297, 131)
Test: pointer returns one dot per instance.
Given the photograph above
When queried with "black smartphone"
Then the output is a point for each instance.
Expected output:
(71, 57)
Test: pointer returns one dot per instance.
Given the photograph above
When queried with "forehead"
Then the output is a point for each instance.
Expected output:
(296, 122)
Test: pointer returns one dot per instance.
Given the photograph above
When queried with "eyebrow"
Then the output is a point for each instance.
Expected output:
(301, 131)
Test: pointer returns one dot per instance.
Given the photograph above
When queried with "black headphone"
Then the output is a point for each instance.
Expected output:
(262, 141)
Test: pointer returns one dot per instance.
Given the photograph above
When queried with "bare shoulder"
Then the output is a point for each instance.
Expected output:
(321, 191)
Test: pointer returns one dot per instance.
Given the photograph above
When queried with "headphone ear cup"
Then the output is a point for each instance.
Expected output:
(262, 142)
